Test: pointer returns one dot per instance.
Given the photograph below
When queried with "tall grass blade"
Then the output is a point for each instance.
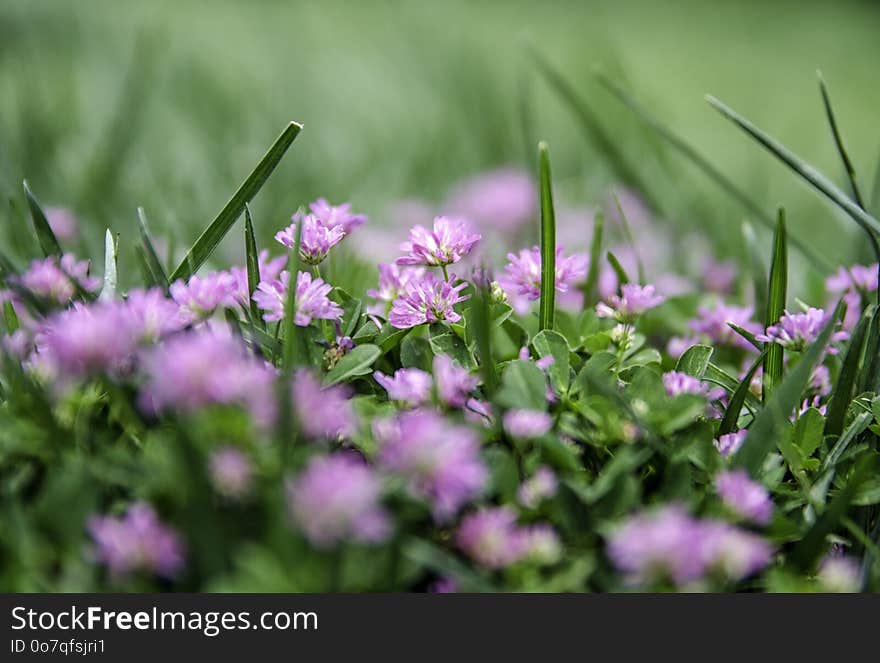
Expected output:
(842, 394)
(291, 337)
(702, 163)
(45, 236)
(111, 257)
(734, 407)
(868, 376)
(591, 285)
(775, 307)
(148, 250)
(771, 422)
(214, 233)
(631, 240)
(547, 308)
(482, 333)
(622, 276)
(838, 141)
(252, 260)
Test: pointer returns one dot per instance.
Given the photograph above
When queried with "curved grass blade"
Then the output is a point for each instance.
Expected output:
(591, 285)
(547, 309)
(846, 380)
(252, 260)
(819, 181)
(775, 307)
(747, 335)
(214, 233)
(770, 423)
(627, 231)
(48, 241)
(838, 142)
(111, 257)
(868, 376)
(622, 276)
(856, 427)
(703, 164)
(731, 414)
(149, 255)
(482, 334)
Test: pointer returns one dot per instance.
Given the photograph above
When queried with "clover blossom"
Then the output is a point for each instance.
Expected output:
(714, 324)
(231, 472)
(409, 385)
(316, 238)
(797, 331)
(522, 275)
(454, 383)
(201, 296)
(392, 282)
(840, 573)
(311, 301)
(427, 299)
(540, 486)
(153, 315)
(58, 280)
(322, 412)
(449, 241)
(730, 443)
(270, 269)
(337, 216)
(493, 539)
(527, 424)
(632, 302)
(744, 497)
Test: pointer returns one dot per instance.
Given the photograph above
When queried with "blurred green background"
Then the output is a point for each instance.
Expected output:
(168, 104)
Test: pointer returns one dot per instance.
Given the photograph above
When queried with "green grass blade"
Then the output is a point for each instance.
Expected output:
(816, 179)
(111, 257)
(846, 379)
(48, 241)
(702, 163)
(734, 407)
(591, 285)
(771, 422)
(627, 232)
(547, 309)
(838, 141)
(292, 342)
(775, 307)
(868, 375)
(747, 335)
(482, 320)
(875, 190)
(622, 276)
(252, 260)
(214, 233)
(148, 250)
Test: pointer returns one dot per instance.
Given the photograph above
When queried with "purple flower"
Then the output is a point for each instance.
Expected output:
(426, 300)
(323, 412)
(62, 221)
(336, 499)
(454, 383)
(316, 239)
(541, 544)
(522, 275)
(392, 282)
(311, 299)
(503, 199)
(193, 370)
(491, 537)
(732, 552)
(713, 324)
(201, 296)
(270, 270)
(729, 444)
(677, 383)
(153, 315)
(87, 339)
(527, 424)
(540, 486)
(796, 331)
(137, 541)
(231, 472)
(57, 280)
(719, 276)
(859, 278)
(410, 385)
(338, 216)
(447, 243)
(444, 585)
(744, 497)
(633, 301)
(840, 573)
(441, 460)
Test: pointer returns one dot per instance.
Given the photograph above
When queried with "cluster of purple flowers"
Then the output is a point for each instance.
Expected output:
(522, 275)
(633, 301)
(58, 279)
(493, 538)
(413, 386)
(797, 331)
(311, 301)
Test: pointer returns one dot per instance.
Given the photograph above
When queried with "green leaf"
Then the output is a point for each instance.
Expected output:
(357, 362)
(846, 379)
(771, 422)
(773, 359)
(523, 386)
(695, 360)
(591, 285)
(438, 560)
(731, 414)
(111, 255)
(481, 328)
(444, 342)
(252, 261)
(856, 428)
(10, 317)
(48, 241)
(548, 343)
(148, 252)
(808, 432)
(214, 233)
(547, 308)
(387, 339)
(415, 352)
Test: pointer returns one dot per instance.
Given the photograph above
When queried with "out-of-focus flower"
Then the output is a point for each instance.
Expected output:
(719, 276)
(153, 315)
(454, 383)
(840, 573)
(201, 296)
(410, 385)
(746, 498)
(62, 221)
(190, 371)
(820, 380)
(796, 331)
(730, 443)
(316, 239)
(732, 552)
(444, 585)
(323, 412)
(540, 486)
(336, 499)
(677, 383)
(427, 299)
(392, 282)
(502, 199)
(270, 270)
(491, 537)
(137, 541)
(527, 424)
(522, 275)
(441, 460)
(678, 344)
(541, 544)
(337, 216)
(231, 472)
(860, 278)
(57, 280)
(713, 324)
(311, 301)
(631, 303)
(448, 242)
